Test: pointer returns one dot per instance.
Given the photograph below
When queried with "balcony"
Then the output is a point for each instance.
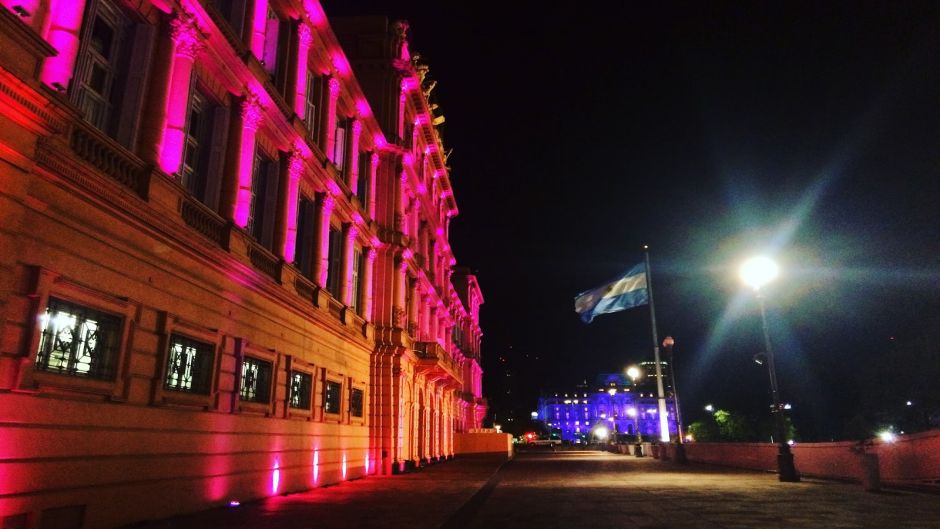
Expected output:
(433, 358)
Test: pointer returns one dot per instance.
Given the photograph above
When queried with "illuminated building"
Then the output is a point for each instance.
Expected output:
(610, 402)
(224, 268)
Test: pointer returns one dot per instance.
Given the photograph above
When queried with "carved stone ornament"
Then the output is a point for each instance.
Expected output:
(252, 113)
(186, 35)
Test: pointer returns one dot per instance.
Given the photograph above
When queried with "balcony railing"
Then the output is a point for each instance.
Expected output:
(202, 219)
(264, 260)
(109, 157)
(432, 351)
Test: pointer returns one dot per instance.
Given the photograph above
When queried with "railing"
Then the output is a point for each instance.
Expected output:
(265, 261)
(109, 157)
(304, 287)
(434, 351)
(203, 220)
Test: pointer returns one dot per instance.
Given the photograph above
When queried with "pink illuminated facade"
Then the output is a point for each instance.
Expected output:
(224, 261)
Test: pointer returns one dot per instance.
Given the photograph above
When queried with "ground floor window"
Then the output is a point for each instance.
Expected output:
(256, 381)
(355, 402)
(300, 386)
(189, 365)
(78, 341)
(331, 396)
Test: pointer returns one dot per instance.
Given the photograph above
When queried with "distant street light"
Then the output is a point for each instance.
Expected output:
(709, 408)
(634, 373)
(757, 272)
(669, 342)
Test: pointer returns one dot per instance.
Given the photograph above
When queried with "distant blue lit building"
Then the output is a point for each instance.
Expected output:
(613, 402)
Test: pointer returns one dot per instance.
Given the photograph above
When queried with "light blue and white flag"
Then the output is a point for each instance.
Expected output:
(625, 292)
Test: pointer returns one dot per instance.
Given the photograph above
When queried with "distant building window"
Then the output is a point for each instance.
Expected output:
(334, 280)
(78, 341)
(261, 214)
(306, 230)
(313, 104)
(255, 381)
(332, 396)
(110, 70)
(339, 144)
(300, 386)
(355, 402)
(203, 157)
(189, 365)
(355, 302)
(362, 179)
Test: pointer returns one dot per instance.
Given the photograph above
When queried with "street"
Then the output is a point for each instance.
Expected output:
(572, 489)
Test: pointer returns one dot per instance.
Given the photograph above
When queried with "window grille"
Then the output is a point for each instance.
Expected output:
(189, 366)
(331, 396)
(256, 381)
(78, 341)
(300, 386)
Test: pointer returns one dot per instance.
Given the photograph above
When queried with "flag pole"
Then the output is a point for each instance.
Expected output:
(660, 394)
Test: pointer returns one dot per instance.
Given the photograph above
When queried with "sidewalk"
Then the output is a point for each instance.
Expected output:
(420, 500)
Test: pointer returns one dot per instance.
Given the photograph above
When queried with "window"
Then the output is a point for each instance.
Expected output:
(355, 402)
(263, 200)
(206, 133)
(255, 381)
(189, 365)
(300, 386)
(331, 396)
(234, 13)
(334, 279)
(339, 145)
(312, 105)
(362, 182)
(306, 230)
(78, 341)
(110, 70)
(355, 301)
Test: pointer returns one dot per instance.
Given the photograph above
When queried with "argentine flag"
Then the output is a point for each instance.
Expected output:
(625, 292)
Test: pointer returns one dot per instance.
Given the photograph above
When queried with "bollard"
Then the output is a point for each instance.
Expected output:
(871, 476)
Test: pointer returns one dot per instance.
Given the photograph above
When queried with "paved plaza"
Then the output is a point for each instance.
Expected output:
(574, 489)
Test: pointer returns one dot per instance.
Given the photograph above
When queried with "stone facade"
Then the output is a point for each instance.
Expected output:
(224, 264)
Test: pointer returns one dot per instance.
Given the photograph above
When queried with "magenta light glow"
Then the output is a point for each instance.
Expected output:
(315, 12)
(344, 466)
(234, 503)
(259, 21)
(362, 108)
(333, 188)
(439, 231)
(367, 462)
(65, 21)
(422, 189)
(331, 117)
(379, 141)
(294, 172)
(251, 119)
(409, 84)
(276, 477)
(357, 218)
(305, 40)
(316, 466)
(408, 159)
(187, 44)
(340, 62)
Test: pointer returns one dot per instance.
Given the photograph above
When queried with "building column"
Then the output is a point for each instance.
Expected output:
(352, 157)
(371, 254)
(295, 170)
(187, 43)
(304, 41)
(62, 29)
(331, 119)
(373, 169)
(251, 119)
(321, 262)
(346, 269)
(259, 26)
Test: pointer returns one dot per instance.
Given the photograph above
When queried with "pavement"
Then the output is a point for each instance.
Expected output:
(574, 489)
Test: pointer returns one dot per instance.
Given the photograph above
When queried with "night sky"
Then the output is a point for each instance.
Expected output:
(710, 131)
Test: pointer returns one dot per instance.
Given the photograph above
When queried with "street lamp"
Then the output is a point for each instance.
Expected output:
(757, 272)
(668, 344)
(610, 408)
(634, 373)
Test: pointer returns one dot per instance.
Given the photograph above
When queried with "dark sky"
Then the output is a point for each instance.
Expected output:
(709, 131)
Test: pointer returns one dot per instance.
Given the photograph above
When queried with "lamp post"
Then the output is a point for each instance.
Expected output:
(668, 344)
(634, 373)
(611, 416)
(757, 272)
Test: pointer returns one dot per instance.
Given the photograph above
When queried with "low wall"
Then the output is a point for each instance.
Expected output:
(910, 459)
(483, 443)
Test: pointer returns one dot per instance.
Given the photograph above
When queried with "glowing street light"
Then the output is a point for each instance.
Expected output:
(757, 272)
